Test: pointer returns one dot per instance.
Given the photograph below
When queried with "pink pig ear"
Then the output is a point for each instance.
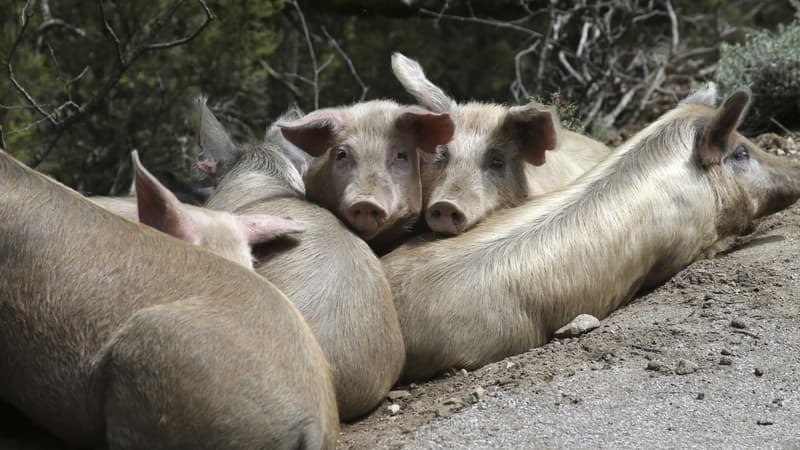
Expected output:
(313, 133)
(429, 128)
(159, 208)
(260, 228)
(534, 128)
(209, 166)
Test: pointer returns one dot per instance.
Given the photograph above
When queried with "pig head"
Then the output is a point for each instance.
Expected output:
(366, 162)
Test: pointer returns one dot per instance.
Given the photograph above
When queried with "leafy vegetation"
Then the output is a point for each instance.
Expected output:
(769, 64)
(254, 59)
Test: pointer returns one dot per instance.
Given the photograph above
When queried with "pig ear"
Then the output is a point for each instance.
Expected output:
(259, 228)
(299, 158)
(314, 133)
(412, 77)
(716, 134)
(430, 129)
(533, 127)
(159, 208)
(218, 148)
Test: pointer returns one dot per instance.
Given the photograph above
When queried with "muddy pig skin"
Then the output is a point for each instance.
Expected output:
(331, 274)
(674, 193)
(498, 157)
(228, 235)
(116, 335)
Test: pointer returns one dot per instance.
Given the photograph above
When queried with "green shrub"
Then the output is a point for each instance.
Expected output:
(568, 115)
(769, 64)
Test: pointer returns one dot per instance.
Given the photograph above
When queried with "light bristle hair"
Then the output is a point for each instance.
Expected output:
(707, 95)
(412, 77)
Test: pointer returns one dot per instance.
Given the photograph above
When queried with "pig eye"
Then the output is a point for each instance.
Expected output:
(340, 152)
(741, 153)
(401, 156)
(497, 163)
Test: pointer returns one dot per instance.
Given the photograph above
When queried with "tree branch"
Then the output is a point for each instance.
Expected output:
(349, 62)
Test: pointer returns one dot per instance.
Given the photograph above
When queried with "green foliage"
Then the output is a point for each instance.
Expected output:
(769, 64)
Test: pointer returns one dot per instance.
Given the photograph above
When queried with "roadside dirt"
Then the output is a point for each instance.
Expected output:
(709, 359)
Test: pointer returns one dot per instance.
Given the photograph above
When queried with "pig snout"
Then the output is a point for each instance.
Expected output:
(366, 216)
(446, 217)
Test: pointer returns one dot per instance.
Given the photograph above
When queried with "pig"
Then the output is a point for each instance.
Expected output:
(365, 165)
(675, 192)
(331, 274)
(228, 235)
(497, 158)
(116, 335)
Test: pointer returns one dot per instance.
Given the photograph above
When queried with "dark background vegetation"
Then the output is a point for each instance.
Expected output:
(84, 82)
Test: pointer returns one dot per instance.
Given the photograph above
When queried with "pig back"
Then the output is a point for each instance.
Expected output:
(575, 155)
(246, 347)
(339, 286)
(71, 274)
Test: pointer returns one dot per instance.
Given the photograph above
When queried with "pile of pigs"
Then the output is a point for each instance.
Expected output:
(271, 317)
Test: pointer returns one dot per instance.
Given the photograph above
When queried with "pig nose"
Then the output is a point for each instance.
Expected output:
(446, 217)
(365, 216)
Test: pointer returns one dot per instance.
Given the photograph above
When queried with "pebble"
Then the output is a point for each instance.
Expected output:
(701, 396)
(398, 395)
(477, 394)
(449, 407)
(764, 422)
(738, 323)
(581, 324)
(726, 352)
(393, 409)
(654, 365)
(758, 371)
(685, 367)
(725, 361)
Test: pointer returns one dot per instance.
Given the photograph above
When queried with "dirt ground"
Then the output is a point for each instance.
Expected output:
(709, 359)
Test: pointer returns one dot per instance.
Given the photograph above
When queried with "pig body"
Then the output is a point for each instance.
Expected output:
(658, 203)
(329, 273)
(366, 165)
(113, 334)
(496, 157)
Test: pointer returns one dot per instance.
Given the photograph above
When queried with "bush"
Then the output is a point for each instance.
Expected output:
(769, 64)
(568, 114)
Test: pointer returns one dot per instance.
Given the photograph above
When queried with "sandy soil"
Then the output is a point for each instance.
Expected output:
(709, 359)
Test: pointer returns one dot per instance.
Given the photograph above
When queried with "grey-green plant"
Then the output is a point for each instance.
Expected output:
(769, 64)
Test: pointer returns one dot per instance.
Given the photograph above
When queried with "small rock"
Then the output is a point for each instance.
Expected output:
(477, 394)
(764, 422)
(581, 324)
(726, 352)
(412, 386)
(509, 365)
(685, 367)
(393, 409)
(463, 372)
(701, 396)
(654, 365)
(725, 361)
(738, 323)
(398, 395)
(449, 407)
(758, 371)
